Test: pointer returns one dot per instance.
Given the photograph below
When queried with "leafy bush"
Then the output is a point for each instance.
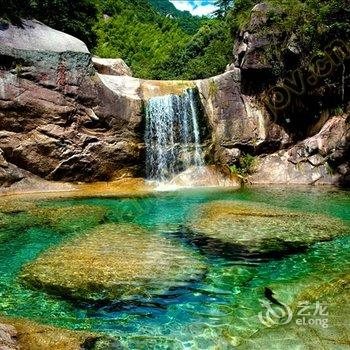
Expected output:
(246, 166)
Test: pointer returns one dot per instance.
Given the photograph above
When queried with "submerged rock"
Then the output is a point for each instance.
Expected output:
(61, 219)
(321, 324)
(113, 262)
(8, 337)
(70, 218)
(259, 229)
(26, 335)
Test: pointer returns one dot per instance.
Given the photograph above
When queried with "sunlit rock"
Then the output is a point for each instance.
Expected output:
(111, 66)
(205, 176)
(27, 335)
(255, 228)
(113, 262)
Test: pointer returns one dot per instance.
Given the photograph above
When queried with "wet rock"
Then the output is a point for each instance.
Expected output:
(258, 229)
(28, 335)
(114, 262)
(236, 120)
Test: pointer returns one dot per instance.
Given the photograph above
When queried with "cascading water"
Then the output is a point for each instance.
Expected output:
(172, 136)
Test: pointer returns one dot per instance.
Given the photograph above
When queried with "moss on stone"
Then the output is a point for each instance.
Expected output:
(261, 229)
(113, 262)
(70, 218)
(34, 336)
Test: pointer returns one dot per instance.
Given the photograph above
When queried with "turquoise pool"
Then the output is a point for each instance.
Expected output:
(216, 310)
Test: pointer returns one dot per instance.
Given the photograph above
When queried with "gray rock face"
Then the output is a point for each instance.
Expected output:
(236, 120)
(33, 35)
(57, 119)
(320, 159)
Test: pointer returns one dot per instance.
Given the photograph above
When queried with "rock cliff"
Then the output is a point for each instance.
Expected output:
(65, 116)
(57, 119)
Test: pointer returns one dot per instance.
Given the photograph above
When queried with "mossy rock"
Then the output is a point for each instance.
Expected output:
(33, 336)
(70, 218)
(16, 206)
(259, 229)
(63, 220)
(114, 262)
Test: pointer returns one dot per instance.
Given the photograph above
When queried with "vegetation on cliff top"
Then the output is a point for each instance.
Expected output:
(160, 42)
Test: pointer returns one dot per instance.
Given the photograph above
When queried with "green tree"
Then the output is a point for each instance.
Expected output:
(223, 7)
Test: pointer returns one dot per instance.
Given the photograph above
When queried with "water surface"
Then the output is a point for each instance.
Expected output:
(214, 312)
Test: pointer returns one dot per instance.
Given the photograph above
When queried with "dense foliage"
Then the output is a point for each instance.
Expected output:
(190, 24)
(135, 31)
(206, 54)
(157, 45)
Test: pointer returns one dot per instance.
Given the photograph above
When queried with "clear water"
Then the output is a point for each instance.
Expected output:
(172, 135)
(207, 314)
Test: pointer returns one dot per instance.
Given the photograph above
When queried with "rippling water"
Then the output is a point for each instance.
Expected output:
(214, 312)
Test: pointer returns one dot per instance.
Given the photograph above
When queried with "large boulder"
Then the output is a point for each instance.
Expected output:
(235, 227)
(114, 262)
(317, 281)
(320, 159)
(236, 120)
(22, 36)
(57, 118)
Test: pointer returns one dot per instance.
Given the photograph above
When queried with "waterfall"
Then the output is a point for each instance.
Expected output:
(172, 135)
